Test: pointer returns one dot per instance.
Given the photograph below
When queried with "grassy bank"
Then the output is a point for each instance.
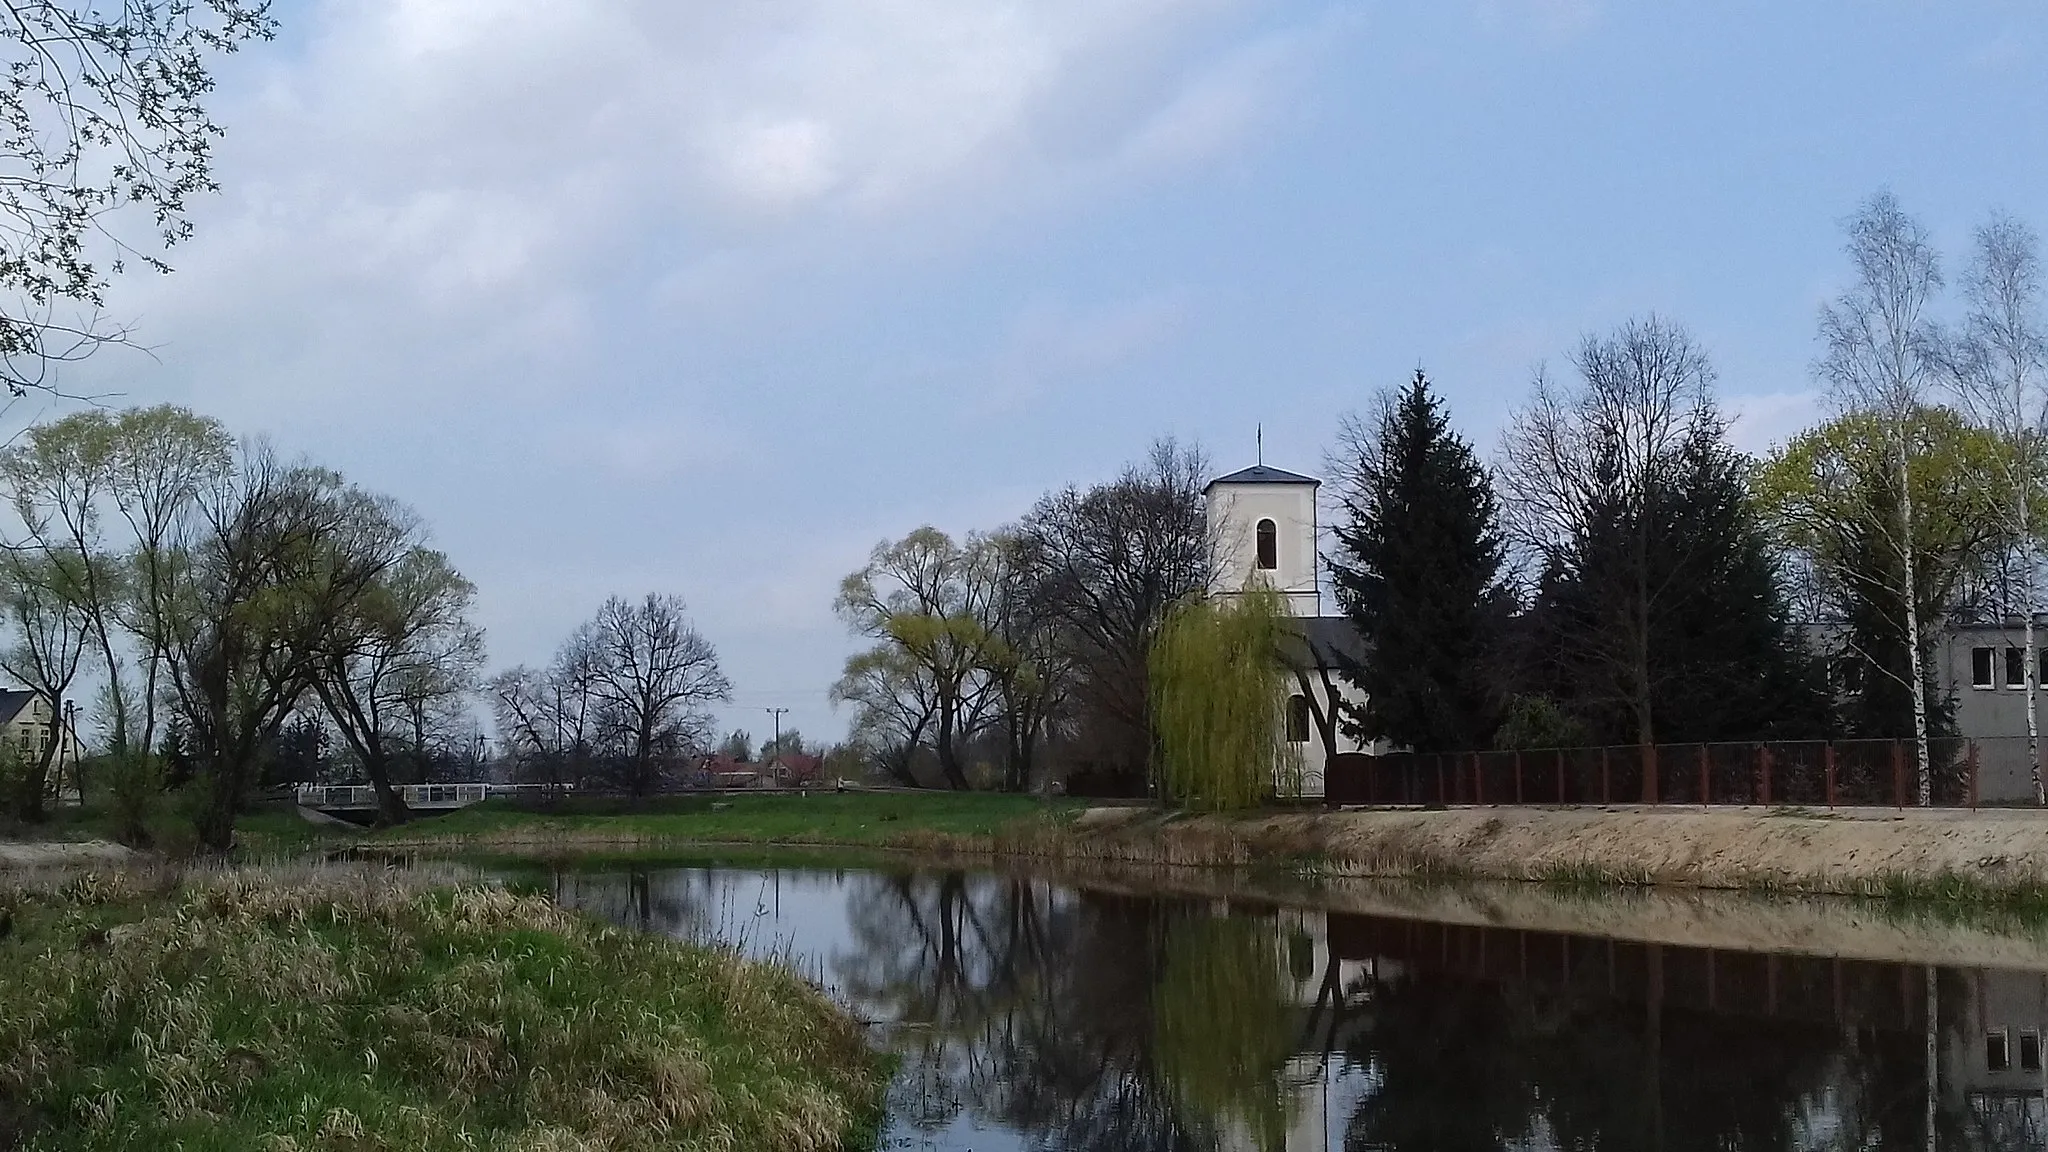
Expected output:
(1961, 858)
(362, 1009)
(855, 819)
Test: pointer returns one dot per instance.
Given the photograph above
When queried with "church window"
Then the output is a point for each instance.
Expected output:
(1269, 545)
(1297, 719)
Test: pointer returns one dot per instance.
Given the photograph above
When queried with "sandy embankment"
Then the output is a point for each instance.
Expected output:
(1734, 848)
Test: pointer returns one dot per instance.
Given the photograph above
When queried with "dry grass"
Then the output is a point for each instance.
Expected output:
(363, 1009)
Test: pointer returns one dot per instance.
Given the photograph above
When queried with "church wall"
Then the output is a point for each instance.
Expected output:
(1234, 512)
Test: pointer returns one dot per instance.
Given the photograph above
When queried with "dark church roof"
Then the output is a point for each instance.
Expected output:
(1261, 474)
(1332, 641)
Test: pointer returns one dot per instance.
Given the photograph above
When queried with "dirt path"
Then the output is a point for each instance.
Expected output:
(42, 854)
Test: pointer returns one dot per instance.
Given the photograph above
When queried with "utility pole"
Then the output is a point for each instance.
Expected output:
(777, 713)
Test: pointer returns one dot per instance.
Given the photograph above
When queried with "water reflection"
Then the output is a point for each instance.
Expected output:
(1034, 1016)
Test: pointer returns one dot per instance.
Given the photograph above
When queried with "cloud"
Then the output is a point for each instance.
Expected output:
(1762, 421)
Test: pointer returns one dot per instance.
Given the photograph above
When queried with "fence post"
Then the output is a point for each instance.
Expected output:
(1478, 788)
(1650, 781)
(1973, 775)
(1560, 777)
(1704, 786)
(1764, 751)
(1441, 801)
(1899, 773)
(1828, 764)
(1518, 776)
(1603, 776)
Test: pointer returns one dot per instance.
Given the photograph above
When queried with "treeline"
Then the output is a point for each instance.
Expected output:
(231, 620)
(1000, 653)
(1623, 575)
(1618, 573)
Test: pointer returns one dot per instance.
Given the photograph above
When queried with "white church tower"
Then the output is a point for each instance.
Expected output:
(1262, 532)
(1262, 529)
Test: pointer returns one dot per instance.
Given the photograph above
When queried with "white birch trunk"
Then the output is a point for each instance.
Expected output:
(1919, 686)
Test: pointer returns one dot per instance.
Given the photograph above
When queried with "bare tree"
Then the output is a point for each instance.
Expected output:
(1111, 560)
(1999, 367)
(1880, 361)
(894, 705)
(41, 593)
(1578, 463)
(653, 677)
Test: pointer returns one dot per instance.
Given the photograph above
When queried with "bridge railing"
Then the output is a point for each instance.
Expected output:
(414, 795)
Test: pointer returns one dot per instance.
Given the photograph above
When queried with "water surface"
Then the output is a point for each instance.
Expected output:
(1031, 1015)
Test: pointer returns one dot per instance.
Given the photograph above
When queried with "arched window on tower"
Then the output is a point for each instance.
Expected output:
(1269, 545)
(1297, 719)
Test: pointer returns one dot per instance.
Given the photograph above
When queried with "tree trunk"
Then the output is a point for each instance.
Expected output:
(2031, 660)
(1911, 590)
(949, 756)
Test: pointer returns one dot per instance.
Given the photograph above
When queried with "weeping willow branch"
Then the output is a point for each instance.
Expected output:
(1217, 683)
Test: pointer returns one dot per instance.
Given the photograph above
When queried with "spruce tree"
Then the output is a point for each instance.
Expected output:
(1418, 571)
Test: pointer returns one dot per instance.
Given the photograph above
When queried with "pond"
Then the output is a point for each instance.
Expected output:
(1037, 1015)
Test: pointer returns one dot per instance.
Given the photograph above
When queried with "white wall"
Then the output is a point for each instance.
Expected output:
(1234, 511)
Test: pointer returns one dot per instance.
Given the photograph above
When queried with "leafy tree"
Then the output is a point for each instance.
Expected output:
(1418, 570)
(927, 601)
(102, 123)
(652, 678)
(1829, 499)
(406, 646)
(1216, 680)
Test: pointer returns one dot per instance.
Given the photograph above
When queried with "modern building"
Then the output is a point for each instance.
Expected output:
(1263, 533)
(1983, 668)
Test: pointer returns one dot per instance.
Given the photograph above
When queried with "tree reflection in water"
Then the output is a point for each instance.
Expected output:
(1061, 1020)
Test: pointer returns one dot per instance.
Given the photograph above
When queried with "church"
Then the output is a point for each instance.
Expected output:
(1263, 532)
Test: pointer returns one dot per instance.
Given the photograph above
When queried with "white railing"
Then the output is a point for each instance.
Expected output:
(414, 795)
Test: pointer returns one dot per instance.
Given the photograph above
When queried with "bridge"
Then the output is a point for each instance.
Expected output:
(344, 798)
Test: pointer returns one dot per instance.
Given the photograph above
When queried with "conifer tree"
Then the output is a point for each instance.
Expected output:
(1417, 568)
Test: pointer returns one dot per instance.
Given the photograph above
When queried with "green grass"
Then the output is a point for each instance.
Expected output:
(861, 819)
(359, 1009)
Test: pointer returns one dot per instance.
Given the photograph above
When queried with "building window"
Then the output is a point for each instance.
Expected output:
(1997, 1051)
(1297, 718)
(1849, 674)
(2030, 1051)
(1980, 668)
(1269, 545)
(2015, 667)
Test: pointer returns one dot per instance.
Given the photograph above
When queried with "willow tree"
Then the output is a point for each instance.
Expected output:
(1217, 683)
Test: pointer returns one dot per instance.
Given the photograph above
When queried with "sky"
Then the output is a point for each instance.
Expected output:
(710, 298)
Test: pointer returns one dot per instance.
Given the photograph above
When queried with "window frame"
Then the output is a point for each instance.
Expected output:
(1983, 667)
(2014, 654)
(1266, 546)
(1997, 1050)
(2030, 1050)
(1299, 719)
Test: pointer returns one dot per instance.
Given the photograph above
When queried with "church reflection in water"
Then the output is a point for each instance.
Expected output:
(1035, 1016)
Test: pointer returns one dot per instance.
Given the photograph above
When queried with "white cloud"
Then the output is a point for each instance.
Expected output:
(1762, 421)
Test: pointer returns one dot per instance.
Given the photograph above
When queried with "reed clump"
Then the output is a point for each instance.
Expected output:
(362, 1009)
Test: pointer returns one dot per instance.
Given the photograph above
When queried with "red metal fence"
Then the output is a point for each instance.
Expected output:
(1818, 773)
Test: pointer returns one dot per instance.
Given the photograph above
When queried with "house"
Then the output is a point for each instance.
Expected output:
(1262, 533)
(26, 729)
(1983, 668)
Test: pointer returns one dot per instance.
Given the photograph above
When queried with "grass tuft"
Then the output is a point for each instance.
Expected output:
(358, 1008)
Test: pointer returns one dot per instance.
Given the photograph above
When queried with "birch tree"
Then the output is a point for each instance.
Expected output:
(1880, 360)
(1999, 366)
